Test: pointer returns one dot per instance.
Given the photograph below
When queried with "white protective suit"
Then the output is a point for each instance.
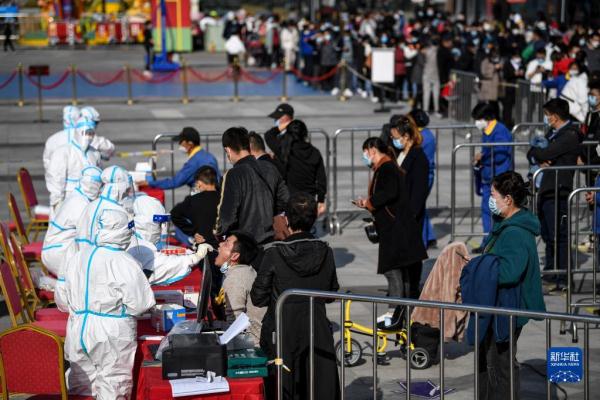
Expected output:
(576, 93)
(100, 143)
(117, 185)
(67, 162)
(104, 289)
(165, 269)
(70, 116)
(62, 229)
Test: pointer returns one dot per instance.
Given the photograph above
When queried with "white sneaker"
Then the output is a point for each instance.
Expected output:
(335, 91)
(437, 115)
(374, 99)
(363, 94)
(348, 93)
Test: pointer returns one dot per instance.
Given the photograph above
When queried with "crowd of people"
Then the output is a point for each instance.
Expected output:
(427, 47)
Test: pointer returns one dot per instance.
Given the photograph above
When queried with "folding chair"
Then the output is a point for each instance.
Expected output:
(31, 250)
(38, 214)
(16, 304)
(32, 363)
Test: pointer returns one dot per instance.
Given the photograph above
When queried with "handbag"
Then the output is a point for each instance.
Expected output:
(371, 230)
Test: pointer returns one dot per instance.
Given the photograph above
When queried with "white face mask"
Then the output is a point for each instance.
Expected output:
(182, 149)
(574, 73)
(481, 124)
(87, 141)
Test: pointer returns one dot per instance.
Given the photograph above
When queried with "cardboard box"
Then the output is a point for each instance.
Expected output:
(169, 297)
(165, 316)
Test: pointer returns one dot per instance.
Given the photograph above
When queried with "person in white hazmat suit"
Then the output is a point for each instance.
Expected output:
(104, 290)
(116, 187)
(161, 269)
(70, 116)
(100, 143)
(67, 162)
(62, 230)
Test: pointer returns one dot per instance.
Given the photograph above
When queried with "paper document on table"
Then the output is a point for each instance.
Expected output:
(239, 325)
(197, 386)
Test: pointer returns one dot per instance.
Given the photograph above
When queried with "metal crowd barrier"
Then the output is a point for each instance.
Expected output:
(571, 306)
(212, 140)
(529, 101)
(453, 186)
(336, 224)
(410, 305)
(464, 96)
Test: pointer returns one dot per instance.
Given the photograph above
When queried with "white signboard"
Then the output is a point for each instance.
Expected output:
(382, 65)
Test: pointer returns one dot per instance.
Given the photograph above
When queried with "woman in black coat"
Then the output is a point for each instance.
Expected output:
(401, 249)
(411, 158)
(300, 262)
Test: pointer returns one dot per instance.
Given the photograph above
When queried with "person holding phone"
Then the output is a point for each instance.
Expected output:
(401, 250)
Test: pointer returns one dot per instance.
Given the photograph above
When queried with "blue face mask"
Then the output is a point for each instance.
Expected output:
(366, 160)
(592, 101)
(398, 144)
(494, 207)
(546, 120)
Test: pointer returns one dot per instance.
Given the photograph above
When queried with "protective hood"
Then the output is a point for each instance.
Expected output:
(306, 152)
(90, 183)
(304, 256)
(80, 139)
(91, 114)
(116, 184)
(144, 208)
(70, 116)
(112, 229)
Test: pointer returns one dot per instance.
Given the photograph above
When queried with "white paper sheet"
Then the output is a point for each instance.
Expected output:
(239, 325)
(197, 386)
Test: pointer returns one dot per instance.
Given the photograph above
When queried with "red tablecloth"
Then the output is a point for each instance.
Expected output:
(158, 194)
(192, 280)
(151, 386)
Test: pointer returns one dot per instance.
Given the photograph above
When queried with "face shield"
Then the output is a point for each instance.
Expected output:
(85, 133)
(151, 220)
(90, 183)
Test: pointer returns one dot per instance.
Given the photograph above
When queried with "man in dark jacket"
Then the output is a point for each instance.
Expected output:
(563, 150)
(301, 262)
(282, 116)
(252, 192)
(197, 213)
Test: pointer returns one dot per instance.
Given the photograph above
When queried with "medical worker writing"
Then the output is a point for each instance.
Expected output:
(161, 269)
(62, 229)
(104, 290)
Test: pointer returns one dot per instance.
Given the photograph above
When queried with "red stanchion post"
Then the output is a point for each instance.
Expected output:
(236, 78)
(74, 84)
(128, 77)
(21, 101)
(184, 81)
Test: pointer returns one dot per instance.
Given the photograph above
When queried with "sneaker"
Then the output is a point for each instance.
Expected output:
(374, 99)
(437, 115)
(364, 94)
(383, 317)
(348, 93)
(335, 91)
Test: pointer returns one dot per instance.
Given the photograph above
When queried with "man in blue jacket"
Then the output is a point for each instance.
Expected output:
(189, 143)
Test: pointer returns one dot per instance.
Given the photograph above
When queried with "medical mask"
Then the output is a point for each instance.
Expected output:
(546, 120)
(481, 124)
(225, 267)
(182, 149)
(494, 207)
(86, 141)
(592, 101)
(595, 44)
(195, 191)
(541, 60)
(276, 123)
(398, 144)
(574, 73)
(367, 160)
(327, 37)
(515, 32)
(516, 61)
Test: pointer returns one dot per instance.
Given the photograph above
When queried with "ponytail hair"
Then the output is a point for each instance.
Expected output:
(406, 126)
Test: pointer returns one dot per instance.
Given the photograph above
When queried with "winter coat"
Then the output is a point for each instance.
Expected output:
(400, 241)
(563, 150)
(304, 170)
(502, 154)
(513, 241)
(247, 203)
(416, 166)
(329, 55)
(300, 262)
(490, 81)
(416, 72)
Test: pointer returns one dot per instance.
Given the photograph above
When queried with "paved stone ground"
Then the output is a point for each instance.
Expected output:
(133, 127)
